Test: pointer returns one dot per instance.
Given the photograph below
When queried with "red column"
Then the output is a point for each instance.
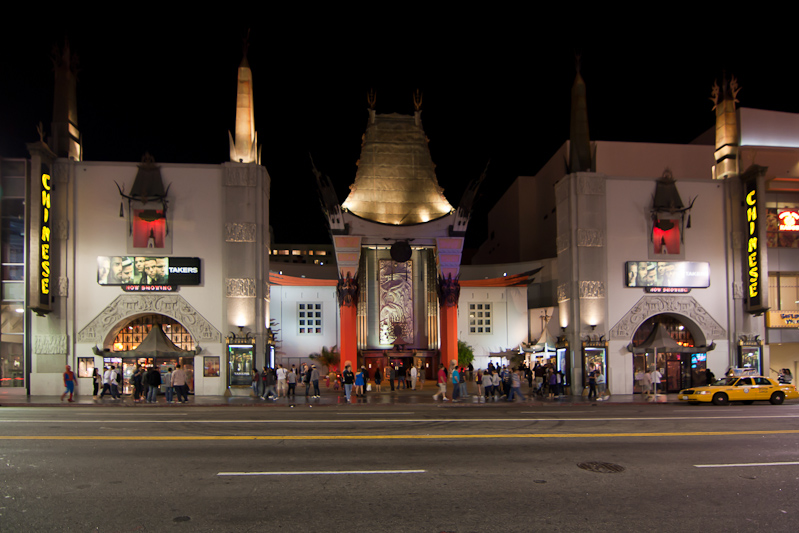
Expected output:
(349, 339)
(448, 318)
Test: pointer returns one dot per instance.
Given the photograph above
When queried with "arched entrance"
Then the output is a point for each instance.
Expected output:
(123, 348)
(682, 365)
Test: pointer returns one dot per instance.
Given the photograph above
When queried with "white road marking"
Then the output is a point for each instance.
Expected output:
(794, 463)
(372, 413)
(322, 473)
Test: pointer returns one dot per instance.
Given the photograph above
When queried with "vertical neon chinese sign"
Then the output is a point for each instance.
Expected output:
(755, 269)
(44, 239)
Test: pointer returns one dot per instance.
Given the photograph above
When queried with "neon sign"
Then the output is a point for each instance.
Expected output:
(44, 239)
(752, 248)
(789, 221)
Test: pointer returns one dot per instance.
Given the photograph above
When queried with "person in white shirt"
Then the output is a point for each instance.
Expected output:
(282, 384)
(414, 375)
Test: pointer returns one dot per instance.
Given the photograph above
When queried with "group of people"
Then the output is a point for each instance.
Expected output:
(146, 384)
(281, 382)
(120, 270)
(785, 376)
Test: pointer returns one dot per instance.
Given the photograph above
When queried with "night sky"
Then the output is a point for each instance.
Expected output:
(496, 87)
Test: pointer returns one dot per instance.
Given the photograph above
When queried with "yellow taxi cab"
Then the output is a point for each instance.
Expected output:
(744, 389)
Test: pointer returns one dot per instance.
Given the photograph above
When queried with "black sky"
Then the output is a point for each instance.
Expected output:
(496, 87)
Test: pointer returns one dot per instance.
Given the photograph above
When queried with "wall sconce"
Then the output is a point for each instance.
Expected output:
(593, 327)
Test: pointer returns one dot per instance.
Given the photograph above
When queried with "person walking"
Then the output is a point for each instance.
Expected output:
(390, 373)
(115, 381)
(97, 381)
(306, 378)
(180, 383)
(442, 384)
(592, 384)
(170, 390)
(488, 385)
(137, 384)
(515, 386)
(359, 382)
(378, 379)
(315, 381)
(69, 383)
(269, 384)
(291, 379)
(256, 382)
(348, 378)
(282, 385)
(154, 381)
(414, 377)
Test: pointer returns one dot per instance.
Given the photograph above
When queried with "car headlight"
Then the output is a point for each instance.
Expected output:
(703, 392)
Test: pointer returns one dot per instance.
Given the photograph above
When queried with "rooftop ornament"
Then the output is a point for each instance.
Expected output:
(147, 187)
(666, 200)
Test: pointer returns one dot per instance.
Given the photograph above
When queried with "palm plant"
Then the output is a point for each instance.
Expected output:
(329, 358)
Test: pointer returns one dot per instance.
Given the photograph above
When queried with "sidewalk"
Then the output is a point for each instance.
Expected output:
(329, 397)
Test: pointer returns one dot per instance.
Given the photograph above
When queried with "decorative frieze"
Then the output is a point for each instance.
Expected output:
(240, 287)
(563, 292)
(50, 344)
(590, 184)
(128, 305)
(239, 232)
(63, 286)
(592, 289)
(562, 243)
(652, 305)
(591, 237)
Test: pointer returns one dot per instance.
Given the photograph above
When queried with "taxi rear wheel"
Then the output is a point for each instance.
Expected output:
(777, 398)
(720, 399)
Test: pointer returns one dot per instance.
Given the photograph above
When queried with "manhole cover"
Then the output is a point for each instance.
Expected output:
(602, 468)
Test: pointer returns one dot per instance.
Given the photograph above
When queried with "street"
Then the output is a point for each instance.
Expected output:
(464, 468)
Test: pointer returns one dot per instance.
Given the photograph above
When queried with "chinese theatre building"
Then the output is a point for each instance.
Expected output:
(142, 264)
(398, 245)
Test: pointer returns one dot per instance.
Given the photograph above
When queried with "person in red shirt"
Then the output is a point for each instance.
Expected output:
(69, 383)
(442, 384)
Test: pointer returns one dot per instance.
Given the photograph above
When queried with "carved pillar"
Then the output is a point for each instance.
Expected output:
(347, 289)
(449, 291)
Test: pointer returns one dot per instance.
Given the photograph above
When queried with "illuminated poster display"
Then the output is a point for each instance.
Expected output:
(754, 267)
(148, 271)
(149, 228)
(668, 275)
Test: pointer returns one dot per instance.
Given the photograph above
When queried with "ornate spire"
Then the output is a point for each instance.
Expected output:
(580, 157)
(724, 99)
(65, 140)
(244, 148)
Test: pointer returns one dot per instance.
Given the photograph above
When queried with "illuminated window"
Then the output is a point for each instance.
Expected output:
(783, 293)
(309, 318)
(296, 252)
(480, 318)
(135, 331)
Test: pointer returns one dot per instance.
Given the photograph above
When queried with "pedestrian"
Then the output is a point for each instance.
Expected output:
(401, 377)
(552, 379)
(306, 378)
(315, 381)
(154, 381)
(348, 378)
(282, 385)
(106, 382)
(656, 377)
(170, 390)
(256, 382)
(784, 377)
(488, 386)
(291, 379)
(359, 383)
(269, 380)
(592, 384)
(442, 384)
(137, 384)
(422, 372)
(97, 380)
(390, 376)
(180, 384)
(69, 383)
(378, 379)
(414, 377)
(711, 378)
(478, 380)
(456, 388)
(495, 382)
(115, 381)
(462, 383)
(515, 385)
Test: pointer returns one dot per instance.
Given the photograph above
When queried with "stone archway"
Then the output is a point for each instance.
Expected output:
(686, 307)
(128, 306)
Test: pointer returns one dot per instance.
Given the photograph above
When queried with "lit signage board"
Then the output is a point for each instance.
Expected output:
(668, 276)
(44, 238)
(789, 221)
(782, 319)
(755, 256)
(148, 273)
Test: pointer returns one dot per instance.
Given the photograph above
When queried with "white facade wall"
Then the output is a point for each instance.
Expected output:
(509, 320)
(283, 308)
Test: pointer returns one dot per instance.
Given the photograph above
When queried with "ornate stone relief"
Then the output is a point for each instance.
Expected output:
(590, 184)
(62, 229)
(591, 237)
(240, 287)
(562, 242)
(50, 344)
(63, 286)
(592, 289)
(563, 292)
(128, 305)
(737, 290)
(240, 176)
(239, 232)
(649, 306)
(61, 172)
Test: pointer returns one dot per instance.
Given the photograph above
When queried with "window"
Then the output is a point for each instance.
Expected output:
(480, 318)
(783, 292)
(309, 318)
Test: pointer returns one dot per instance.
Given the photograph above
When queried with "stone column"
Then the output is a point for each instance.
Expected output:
(347, 289)
(449, 291)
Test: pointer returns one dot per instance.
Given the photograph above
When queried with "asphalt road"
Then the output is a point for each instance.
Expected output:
(401, 468)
